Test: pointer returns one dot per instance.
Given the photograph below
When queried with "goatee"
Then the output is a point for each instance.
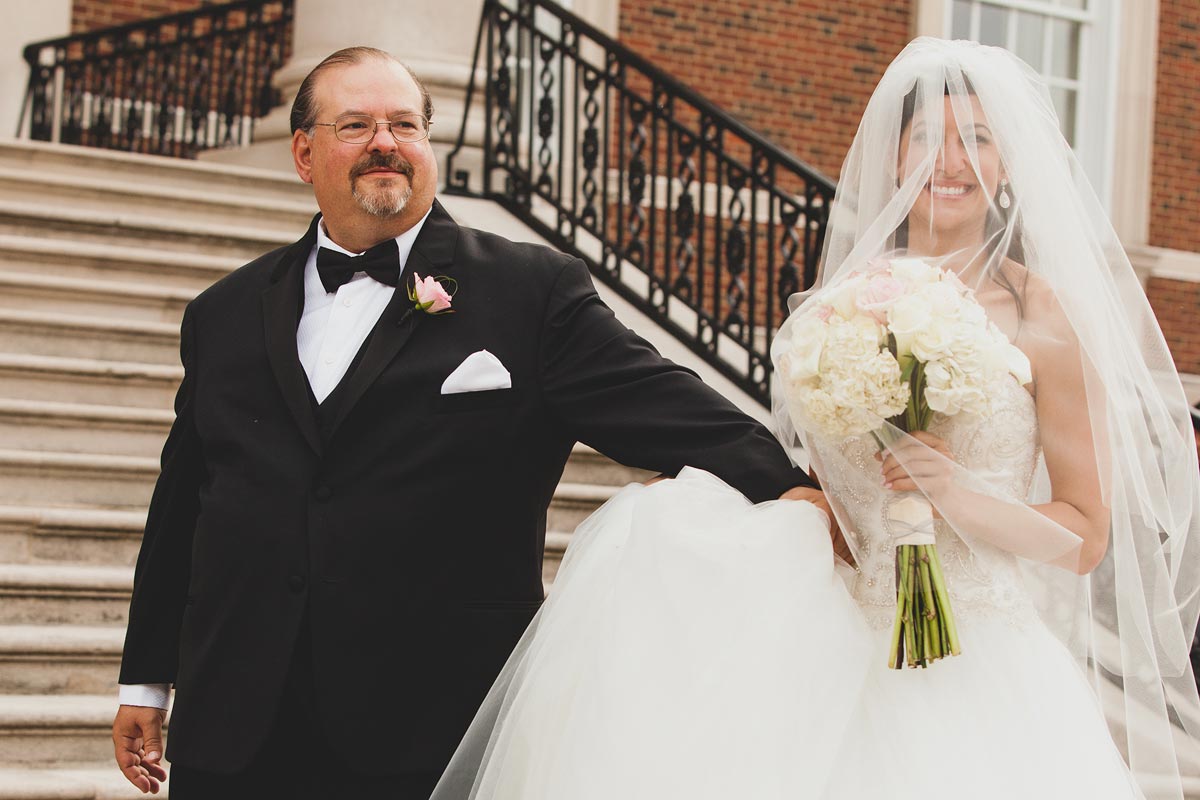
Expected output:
(382, 200)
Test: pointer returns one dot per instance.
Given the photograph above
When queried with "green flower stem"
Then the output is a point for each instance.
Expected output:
(925, 630)
(943, 597)
(896, 650)
(914, 646)
(935, 609)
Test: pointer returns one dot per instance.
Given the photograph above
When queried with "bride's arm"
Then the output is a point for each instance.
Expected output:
(1073, 451)
(1073, 528)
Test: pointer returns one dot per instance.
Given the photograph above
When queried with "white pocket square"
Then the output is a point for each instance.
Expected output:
(478, 372)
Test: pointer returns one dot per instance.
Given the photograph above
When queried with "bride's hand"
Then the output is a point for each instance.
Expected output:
(925, 465)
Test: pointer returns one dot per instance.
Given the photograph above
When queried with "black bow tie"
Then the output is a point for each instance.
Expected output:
(381, 262)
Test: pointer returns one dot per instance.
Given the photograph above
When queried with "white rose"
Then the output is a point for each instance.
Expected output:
(936, 340)
(808, 342)
(972, 313)
(944, 300)
(844, 297)
(871, 333)
(913, 271)
(967, 398)
(908, 316)
(938, 375)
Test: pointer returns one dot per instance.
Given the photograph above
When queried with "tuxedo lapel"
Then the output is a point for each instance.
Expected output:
(281, 315)
(432, 255)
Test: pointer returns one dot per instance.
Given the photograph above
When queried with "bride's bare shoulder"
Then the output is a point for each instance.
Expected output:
(1046, 332)
(1038, 298)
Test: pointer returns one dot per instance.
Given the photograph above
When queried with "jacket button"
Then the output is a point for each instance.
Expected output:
(323, 493)
(296, 583)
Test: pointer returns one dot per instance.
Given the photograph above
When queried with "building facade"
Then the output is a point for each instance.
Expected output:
(1124, 75)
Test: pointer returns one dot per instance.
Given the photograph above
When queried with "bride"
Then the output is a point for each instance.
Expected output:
(698, 646)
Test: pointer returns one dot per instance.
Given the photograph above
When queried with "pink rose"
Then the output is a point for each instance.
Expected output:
(878, 295)
(824, 313)
(878, 265)
(430, 295)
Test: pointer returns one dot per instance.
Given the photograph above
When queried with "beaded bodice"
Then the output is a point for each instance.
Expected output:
(1000, 448)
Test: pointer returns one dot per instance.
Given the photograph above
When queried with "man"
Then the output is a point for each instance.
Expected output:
(346, 538)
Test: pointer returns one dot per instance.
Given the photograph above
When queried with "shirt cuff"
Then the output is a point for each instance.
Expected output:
(151, 695)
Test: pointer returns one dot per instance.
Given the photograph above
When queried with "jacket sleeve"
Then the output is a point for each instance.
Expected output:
(160, 582)
(612, 390)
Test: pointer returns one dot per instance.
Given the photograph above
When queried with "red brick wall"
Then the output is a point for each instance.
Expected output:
(89, 15)
(798, 71)
(1177, 306)
(1175, 189)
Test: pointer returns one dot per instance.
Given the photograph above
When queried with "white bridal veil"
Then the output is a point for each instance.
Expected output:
(956, 125)
(680, 605)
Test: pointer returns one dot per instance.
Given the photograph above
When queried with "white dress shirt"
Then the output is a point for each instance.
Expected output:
(332, 329)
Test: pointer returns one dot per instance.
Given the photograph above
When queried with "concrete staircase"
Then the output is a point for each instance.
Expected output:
(99, 253)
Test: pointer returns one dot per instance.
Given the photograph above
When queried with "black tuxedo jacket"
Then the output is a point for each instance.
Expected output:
(404, 527)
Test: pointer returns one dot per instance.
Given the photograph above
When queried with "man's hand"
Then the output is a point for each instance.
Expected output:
(817, 498)
(137, 740)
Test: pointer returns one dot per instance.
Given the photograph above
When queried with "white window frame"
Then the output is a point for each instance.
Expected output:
(1095, 84)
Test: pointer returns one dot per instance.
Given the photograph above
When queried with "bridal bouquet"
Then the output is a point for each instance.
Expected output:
(894, 344)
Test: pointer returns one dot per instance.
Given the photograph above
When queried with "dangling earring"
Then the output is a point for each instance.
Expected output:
(1005, 201)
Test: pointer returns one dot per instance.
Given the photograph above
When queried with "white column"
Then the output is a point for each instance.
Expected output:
(435, 38)
(931, 18)
(1133, 135)
(46, 19)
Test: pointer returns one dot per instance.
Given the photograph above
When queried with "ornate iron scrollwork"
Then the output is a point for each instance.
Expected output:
(680, 208)
(172, 85)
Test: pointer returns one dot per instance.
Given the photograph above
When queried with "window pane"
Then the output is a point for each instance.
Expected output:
(960, 25)
(1064, 49)
(1030, 29)
(1079, 4)
(993, 25)
(1064, 104)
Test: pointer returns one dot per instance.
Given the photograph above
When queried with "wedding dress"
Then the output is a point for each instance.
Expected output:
(697, 646)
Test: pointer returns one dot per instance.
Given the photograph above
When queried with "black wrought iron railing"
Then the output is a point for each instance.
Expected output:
(685, 211)
(173, 85)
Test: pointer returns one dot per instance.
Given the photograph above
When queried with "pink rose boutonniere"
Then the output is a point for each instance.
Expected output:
(430, 294)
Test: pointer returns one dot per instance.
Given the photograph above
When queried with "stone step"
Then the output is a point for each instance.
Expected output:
(64, 594)
(44, 730)
(33, 535)
(153, 172)
(100, 193)
(139, 230)
(102, 781)
(556, 548)
(51, 333)
(60, 659)
(70, 782)
(39, 478)
(91, 381)
(586, 465)
(115, 260)
(573, 502)
(91, 297)
(79, 428)
(43, 478)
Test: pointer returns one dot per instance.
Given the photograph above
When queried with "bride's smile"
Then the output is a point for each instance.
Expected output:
(964, 177)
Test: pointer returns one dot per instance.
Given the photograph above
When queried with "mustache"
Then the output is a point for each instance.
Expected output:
(378, 160)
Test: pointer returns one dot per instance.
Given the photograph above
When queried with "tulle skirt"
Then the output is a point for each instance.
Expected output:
(699, 647)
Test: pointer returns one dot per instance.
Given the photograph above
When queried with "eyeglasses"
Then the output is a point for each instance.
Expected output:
(361, 128)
